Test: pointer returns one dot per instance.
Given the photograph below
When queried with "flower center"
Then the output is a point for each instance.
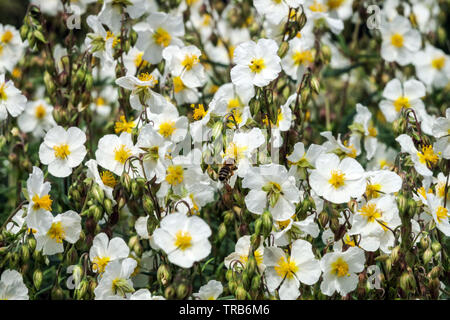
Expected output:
(99, 264)
(122, 153)
(400, 103)
(7, 37)
(40, 111)
(3, 95)
(337, 179)
(234, 151)
(199, 111)
(138, 60)
(438, 63)
(147, 77)
(302, 57)
(372, 131)
(286, 268)
(233, 103)
(190, 60)
(42, 203)
(167, 128)
(110, 35)
(373, 190)
(183, 240)
(178, 84)
(257, 65)
(162, 37)
(334, 4)
(175, 175)
(123, 125)
(61, 151)
(441, 214)
(56, 232)
(108, 179)
(440, 189)
(397, 40)
(427, 156)
(371, 212)
(317, 7)
(340, 267)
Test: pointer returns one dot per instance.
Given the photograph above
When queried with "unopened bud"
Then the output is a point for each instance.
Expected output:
(436, 247)
(108, 205)
(182, 291)
(267, 223)
(169, 293)
(222, 231)
(315, 85)
(241, 294)
(163, 274)
(323, 219)
(37, 278)
(256, 282)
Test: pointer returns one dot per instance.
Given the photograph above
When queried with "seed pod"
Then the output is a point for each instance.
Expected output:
(222, 232)
(436, 247)
(37, 278)
(240, 293)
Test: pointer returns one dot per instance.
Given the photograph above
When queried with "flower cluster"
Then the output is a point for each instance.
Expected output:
(253, 149)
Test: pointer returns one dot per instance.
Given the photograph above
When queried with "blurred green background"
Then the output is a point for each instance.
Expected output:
(13, 11)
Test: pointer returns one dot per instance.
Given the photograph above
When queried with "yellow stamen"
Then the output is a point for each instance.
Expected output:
(340, 267)
(167, 128)
(61, 151)
(427, 156)
(42, 203)
(146, 77)
(302, 57)
(257, 65)
(3, 95)
(199, 111)
(6, 37)
(337, 179)
(190, 60)
(40, 112)
(178, 84)
(123, 125)
(286, 268)
(234, 151)
(175, 175)
(334, 4)
(441, 214)
(122, 153)
(56, 232)
(138, 61)
(373, 190)
(233, 103)
(438, 63)
(162, 37)
(400, 103)
(99, 264)
(371, 212)
(183, 240)
(397, 40)
(317, 7)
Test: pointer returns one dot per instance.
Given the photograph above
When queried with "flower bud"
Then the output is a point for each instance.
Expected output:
(169, 293)
(436, 247)
(108, 205)
(222, 231)
(229, 275)
(182, 291)
(147, 203)
(228, 217)
(82, 290)
(424, 242)
(256, 282)
(57, 293)
(240, 293)
(323, 219)
(315, 85)
(217, 130)
(402, 203)
(25, 253)
(395, 254)
(232, 285)
(163, 274)
(267, 223)
(258, 226)
(37, 278)
(251, 265)
(435, 272)
(98, 193)
(284, 47)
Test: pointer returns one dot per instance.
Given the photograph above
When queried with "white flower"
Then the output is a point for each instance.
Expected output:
(184, 239)
(256, 63)
(144, 294)
(400, 41)
(239, 257)
(158, 32)
(299, 56)
(185, 63)
(111, 12)
(432, 66)
(362, 124)
(421, 159)
(39, 198)
(338, 181)
(17, 221)
(104, 251)
(383, 158)
(350, 147)
(210, 291)
(51, 231)
(290, 270)
(154, 148)
(115, 283)
(37, 118)
(372, 221)
(339, 271)
(101, 43)
(441, 131)
(400, 96)
(242, 148)
(12, 286)
(440, 213)
(318, 10)
(11, 99)
(105, 180)
(113, 152)
(169, 124)
(272, 188)
(62, 150)
(304, 159)
(142, 94)
(382, 182)
(11, 48)
(275, 10)
(283, 122)
(141, 227)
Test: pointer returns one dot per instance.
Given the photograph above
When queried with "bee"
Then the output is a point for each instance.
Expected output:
(227, 170)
